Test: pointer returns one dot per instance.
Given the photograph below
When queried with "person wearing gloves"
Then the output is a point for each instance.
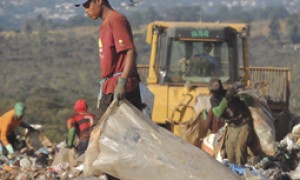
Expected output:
(120, 78)
(81, 125)
(239, 131)
(212, 122)
(8, 122)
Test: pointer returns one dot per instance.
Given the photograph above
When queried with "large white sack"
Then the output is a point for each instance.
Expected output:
(128, 145)
(263, 122)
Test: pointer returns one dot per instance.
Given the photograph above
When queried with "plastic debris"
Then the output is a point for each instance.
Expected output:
(25, 164)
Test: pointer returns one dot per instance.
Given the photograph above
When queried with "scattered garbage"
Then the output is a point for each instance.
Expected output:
(126, 144)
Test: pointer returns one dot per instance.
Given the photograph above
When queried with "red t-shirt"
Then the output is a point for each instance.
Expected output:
(115, 39)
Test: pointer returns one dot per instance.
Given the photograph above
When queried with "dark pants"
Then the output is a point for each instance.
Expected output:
(237, 139)
(82, 146)
(133, 97)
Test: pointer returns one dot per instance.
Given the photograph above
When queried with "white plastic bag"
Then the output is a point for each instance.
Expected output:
(263, 122)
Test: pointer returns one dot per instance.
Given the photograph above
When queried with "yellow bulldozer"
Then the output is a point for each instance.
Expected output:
(181, 67)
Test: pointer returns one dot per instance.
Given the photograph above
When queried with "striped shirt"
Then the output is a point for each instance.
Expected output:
(82, 122)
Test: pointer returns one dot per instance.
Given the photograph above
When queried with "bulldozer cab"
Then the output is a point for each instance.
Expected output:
(194, 55)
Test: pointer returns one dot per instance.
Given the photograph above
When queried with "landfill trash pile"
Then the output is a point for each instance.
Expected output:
(278, 160)
(285, 163)
(38, 158)
(126, 144)
(31, 161)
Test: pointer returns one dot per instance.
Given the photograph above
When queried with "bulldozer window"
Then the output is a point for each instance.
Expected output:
(198, 61)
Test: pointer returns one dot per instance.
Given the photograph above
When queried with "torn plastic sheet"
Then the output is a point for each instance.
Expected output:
(263, 122)
(147, 98)
(128, 145)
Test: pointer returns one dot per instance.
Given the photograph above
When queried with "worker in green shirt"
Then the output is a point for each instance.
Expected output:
(239, 131)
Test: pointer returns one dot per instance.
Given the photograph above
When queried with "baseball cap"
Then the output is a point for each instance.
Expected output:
(83, 3)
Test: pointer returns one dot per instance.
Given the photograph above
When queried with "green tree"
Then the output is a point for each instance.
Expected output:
(293, 30)
(41, 22)
(294, 33)
(28, 29)
(277, 11)
(151, 15)
(135, 19)
(183, 13)
(274, 28)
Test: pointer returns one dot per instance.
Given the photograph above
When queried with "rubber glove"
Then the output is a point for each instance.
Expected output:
(10, 149)
(218, 110)
(71, 137)
(120, 90)
(1, 149)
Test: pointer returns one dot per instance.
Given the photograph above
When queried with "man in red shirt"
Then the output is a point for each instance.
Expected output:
(120, 78)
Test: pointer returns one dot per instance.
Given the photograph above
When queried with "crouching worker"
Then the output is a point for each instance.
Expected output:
(8, 122)
(239, 131)
(81, 125)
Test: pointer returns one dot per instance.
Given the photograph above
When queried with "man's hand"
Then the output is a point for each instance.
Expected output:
(238, 85)
(120, 90)
(234, 90)
(1, 149)
(10, 149)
